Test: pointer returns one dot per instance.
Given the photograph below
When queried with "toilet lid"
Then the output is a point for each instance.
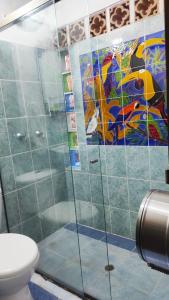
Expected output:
(17, 252)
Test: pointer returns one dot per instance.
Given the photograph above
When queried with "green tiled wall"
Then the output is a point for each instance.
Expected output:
(108, 194)
(113, 188)
(32, 168)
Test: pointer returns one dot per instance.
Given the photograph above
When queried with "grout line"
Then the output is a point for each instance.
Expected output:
(3, 103)
(132, 11)
(30, 146)
(49, 158)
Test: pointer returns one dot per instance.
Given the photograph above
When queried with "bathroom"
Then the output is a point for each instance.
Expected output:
(83, 140)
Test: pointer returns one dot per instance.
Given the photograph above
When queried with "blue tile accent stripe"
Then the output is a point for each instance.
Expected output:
(40, 294)
(96, 234)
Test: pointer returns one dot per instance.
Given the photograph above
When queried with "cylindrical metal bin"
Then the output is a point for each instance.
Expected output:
(152, 231)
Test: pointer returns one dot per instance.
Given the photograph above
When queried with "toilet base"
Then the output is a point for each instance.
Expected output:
(23, 294)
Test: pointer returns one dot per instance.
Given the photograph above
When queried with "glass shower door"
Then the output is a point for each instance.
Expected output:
(87, 158)
(36, 172)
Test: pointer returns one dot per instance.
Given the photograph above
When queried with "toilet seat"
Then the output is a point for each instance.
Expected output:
(17, 253)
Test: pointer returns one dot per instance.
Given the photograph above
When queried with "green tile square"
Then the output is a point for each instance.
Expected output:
(32, 228)
(82, 186)
(4, 149)
(55, 131)
(45, 194)
(60, 188)
(116, 161)
(7, 174)
(13, 211)
(33, 99)
(37, 132)
(96, 189)
(8, 63)
(23, 167)
(41, 160)
(133, 218)
(27, 202)
(84, 212)
(138, 162)
(28, 63)
(118, 192)
(57, 159)
(99, 221)
(137, 191)
(158, 162)
(13, 99)
(49, 65)
(120, 220)
(15, 126)
(2, 112)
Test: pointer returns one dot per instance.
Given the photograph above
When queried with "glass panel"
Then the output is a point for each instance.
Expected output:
(36, 171)
(122, 122)
(87, 174)
(136, 139)
(84, 137)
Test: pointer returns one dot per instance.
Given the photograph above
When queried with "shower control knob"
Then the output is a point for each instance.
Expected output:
(20, 136)
(39, 133)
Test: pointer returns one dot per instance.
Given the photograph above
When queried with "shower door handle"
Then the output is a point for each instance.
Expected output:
(94, 161)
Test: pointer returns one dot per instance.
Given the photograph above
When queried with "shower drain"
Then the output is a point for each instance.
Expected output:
(109, 268)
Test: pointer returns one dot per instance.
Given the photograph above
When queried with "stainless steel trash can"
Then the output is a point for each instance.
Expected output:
(152, 230)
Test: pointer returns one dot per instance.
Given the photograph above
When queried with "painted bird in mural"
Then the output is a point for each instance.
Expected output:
(126, 111)
(124, 116)
(107, 63)
(92, 125)
(105, 71)
(144, 79)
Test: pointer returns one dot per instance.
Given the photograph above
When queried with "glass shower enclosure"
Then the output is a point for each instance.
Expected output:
(41, 148)
(83, 138)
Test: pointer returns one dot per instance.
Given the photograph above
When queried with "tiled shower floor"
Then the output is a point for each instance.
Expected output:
(131, 279)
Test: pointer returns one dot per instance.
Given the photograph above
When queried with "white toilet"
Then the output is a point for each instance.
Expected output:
(19, 256)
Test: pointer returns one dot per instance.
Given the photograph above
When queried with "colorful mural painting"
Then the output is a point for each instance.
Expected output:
(124, 93)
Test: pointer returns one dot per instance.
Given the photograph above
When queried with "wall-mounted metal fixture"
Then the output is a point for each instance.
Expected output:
(152, 232)
(167, 176)
(39, 133)
(20, 136)
(94, 161)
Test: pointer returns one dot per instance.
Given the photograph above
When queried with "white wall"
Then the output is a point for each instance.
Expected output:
(66, 12)
(8, 6)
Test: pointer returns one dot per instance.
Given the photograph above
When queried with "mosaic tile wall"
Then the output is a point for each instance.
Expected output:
(107, 19)
(112, 189)
(33, 135)
(124, 91)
